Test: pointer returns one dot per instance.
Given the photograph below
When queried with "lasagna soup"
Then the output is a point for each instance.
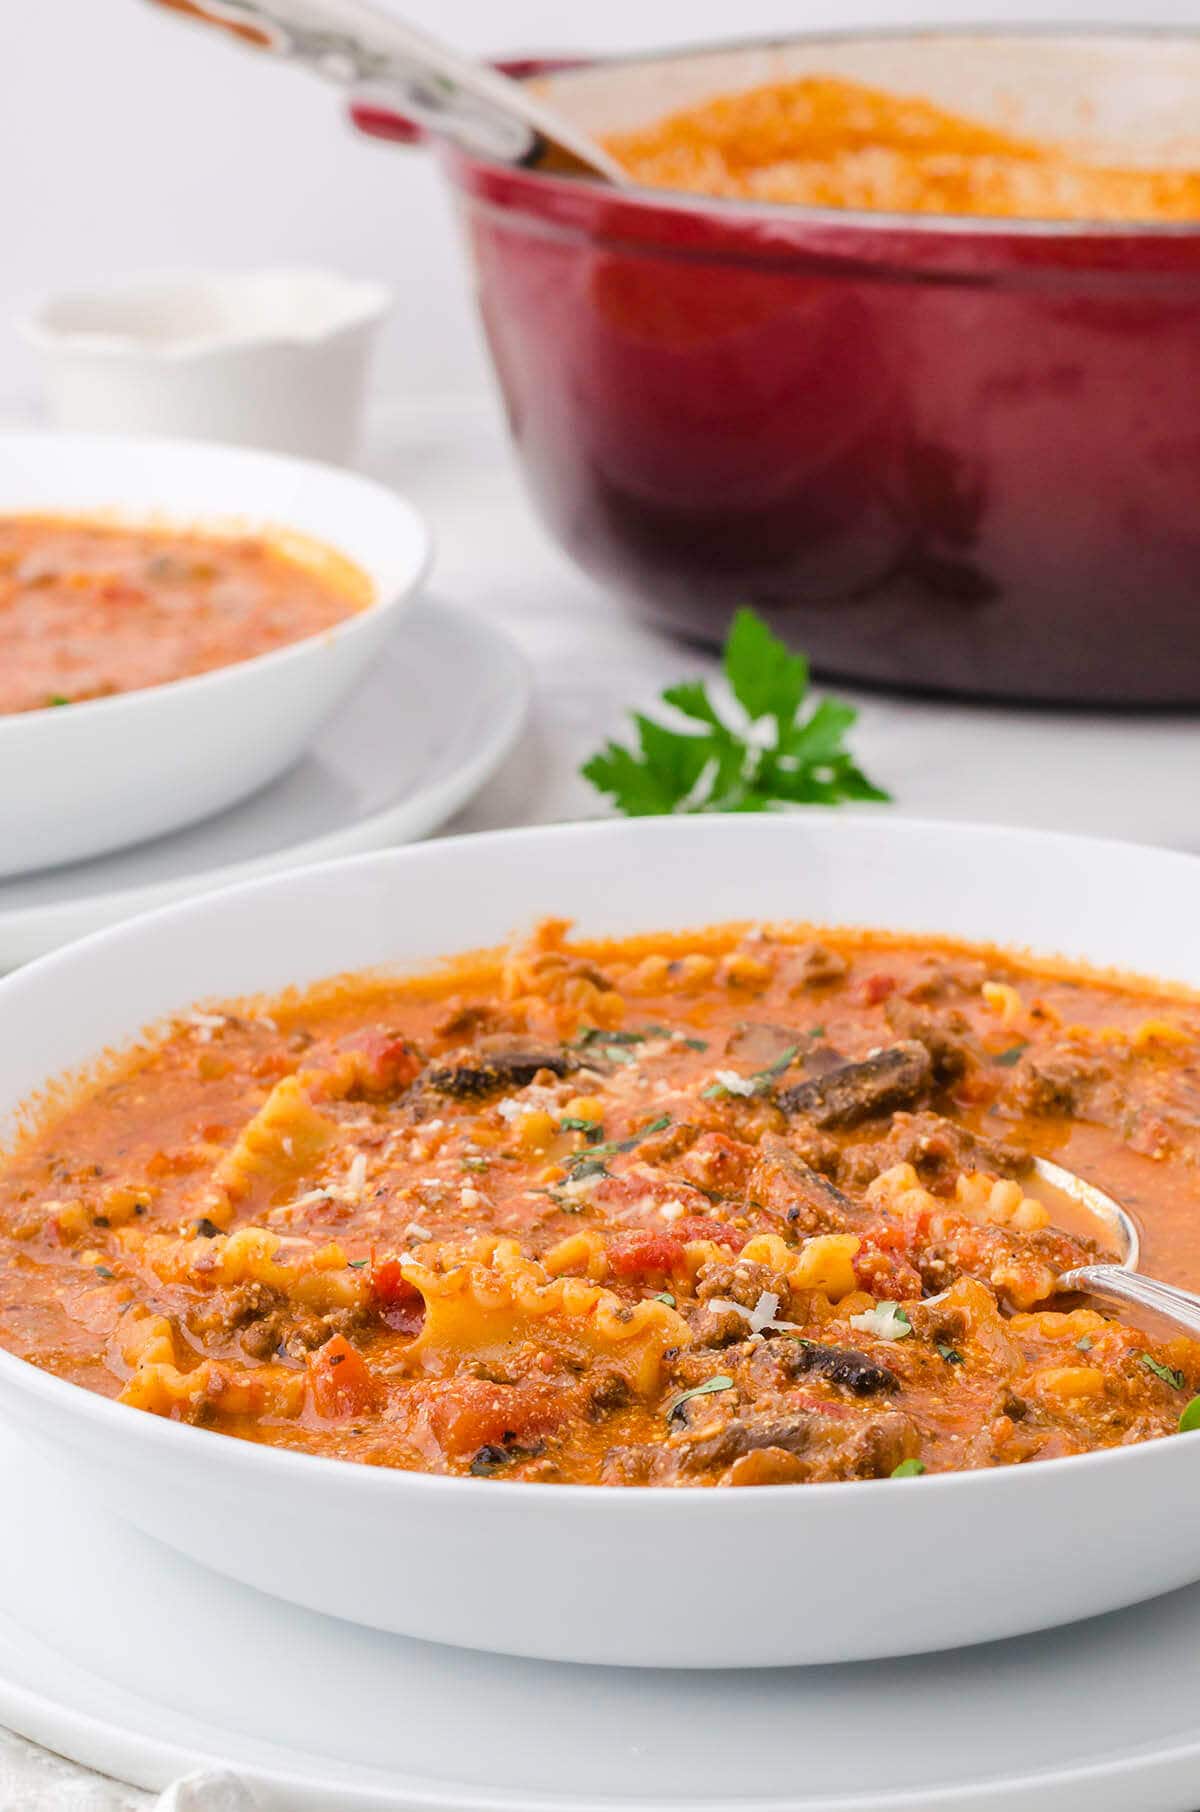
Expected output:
(90, 608)
(822, 142)
(740, 1207)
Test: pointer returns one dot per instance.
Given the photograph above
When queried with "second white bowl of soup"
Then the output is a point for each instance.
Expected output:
(177, 620)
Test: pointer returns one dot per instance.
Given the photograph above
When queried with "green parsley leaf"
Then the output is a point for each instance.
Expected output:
(784, 1061)
(356, 1264)
(1084, 1344)
(475, 1163)
(1006, 1059)
(758, 1082)
(1190, 1419)
(908, 1469)
(950, 1354)
(720, 1382)
(591, 1129)
(665, 1296)
(57, 698)
(696, 1044)
(103, 1271)
(589, 1161)
(777, 755)
(1174, 1379)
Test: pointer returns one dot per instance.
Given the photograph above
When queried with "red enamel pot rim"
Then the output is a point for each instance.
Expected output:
(763, 233)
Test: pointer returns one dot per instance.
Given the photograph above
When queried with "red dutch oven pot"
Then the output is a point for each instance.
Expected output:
(938, 453)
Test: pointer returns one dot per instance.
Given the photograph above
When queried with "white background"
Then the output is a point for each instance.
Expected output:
(131, 141)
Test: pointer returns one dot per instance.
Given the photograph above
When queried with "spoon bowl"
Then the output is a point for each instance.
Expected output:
(1122, 1281)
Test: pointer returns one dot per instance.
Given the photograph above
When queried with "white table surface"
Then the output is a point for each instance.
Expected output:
(1109, 774)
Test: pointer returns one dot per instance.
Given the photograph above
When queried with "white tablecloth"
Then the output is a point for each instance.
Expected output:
(1111, 775)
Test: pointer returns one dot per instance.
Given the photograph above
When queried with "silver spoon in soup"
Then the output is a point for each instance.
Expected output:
(1122, 1281)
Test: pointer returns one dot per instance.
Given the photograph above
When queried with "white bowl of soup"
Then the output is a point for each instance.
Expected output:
(469, 1301)
(176, 622)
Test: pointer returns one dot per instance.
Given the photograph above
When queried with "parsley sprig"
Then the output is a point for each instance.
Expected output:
(782, 753)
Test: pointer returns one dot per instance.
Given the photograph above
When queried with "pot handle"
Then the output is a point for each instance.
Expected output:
(375, 118)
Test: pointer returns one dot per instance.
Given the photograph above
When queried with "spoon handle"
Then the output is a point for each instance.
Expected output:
(360, 46)
(1131, 1286)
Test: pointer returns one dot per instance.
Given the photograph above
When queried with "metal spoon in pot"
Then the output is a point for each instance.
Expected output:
(359, 46)
(1121, 1282)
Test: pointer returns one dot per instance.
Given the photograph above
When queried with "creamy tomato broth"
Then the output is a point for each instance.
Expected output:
(725, 1208)
(90, 608)
(820, 141)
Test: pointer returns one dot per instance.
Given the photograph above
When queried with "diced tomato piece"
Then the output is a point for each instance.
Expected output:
(341, 1380)
(469, 1413)
(701, 1226)
(718, 1162)
(873, 989)
(386, 1062)
(896, 1236)
(824, 1406)
(643, 1253)
(400, 1304)
(886, 1274)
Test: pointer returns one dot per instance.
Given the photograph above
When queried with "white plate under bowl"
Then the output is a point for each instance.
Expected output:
(652, 1577)
(442, 706)
(77, 780)
(192, 1671)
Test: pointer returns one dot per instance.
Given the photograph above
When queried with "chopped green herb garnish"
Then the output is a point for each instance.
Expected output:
(756, 1083)
(710, 1385)
(57, 698)
(908, 1469)
(775, 754)
(816, 1031)
(475, 1163)
(1007, 1058)
(665, 1296)
(1190, 1419)
(1174, 1379)
(619, 1053)
(586, 1162)
(591, 1129)
(950, 1354)
(356, 1264)
(696, 1044)
(1084, 1344)
(103, 1271)
(599, 1035)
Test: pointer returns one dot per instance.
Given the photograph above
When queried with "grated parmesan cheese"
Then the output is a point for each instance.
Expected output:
(887, 1321)
(762, 1315)
(733, 1084)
